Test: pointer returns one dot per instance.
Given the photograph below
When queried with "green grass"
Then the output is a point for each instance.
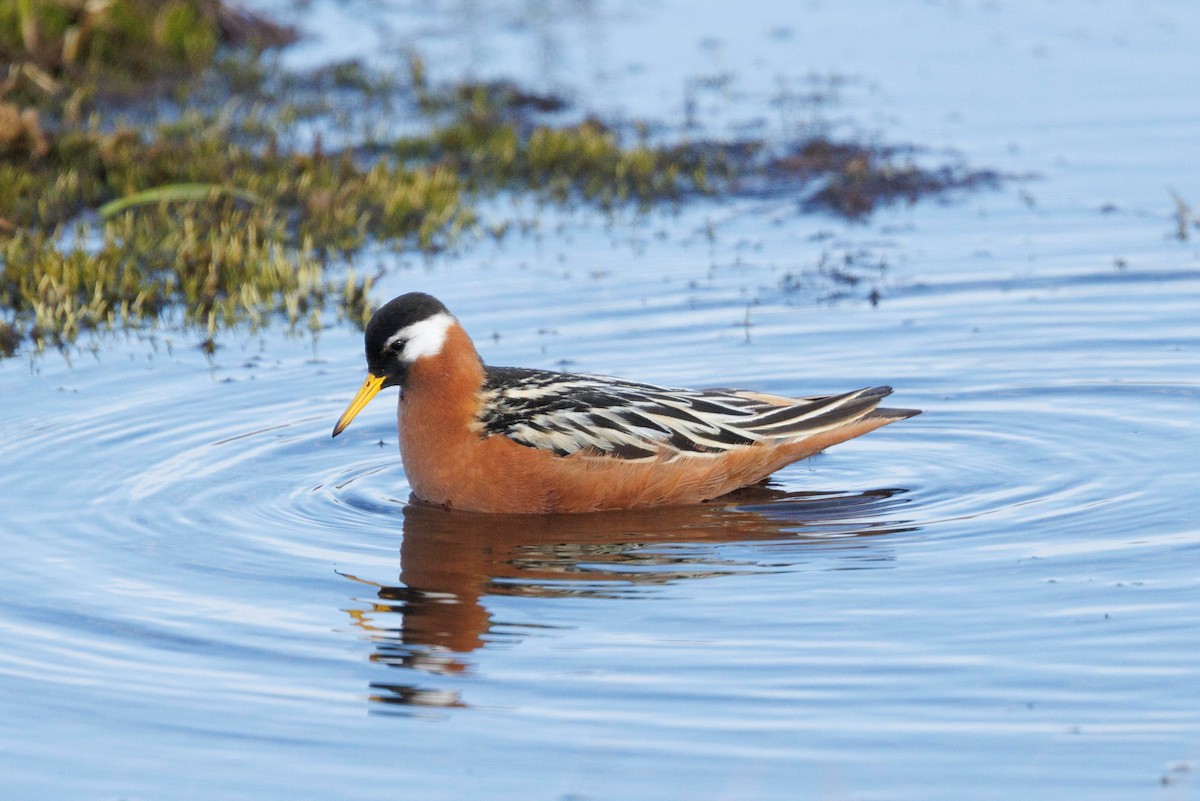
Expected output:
(119, 209)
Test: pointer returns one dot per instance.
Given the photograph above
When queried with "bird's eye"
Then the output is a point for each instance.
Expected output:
(396, 346)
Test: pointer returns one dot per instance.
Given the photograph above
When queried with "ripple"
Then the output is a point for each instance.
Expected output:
(196, 559)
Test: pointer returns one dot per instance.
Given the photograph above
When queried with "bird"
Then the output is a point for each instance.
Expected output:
(478, 438)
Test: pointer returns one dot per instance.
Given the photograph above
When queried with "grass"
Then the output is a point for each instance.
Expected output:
(207, 195)
(114, 228)
(1184, 219)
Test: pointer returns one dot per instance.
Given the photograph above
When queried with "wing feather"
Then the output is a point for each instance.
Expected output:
(571, 413)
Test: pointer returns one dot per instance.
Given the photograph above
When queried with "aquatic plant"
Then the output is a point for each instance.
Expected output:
(207, 193)
(1184, 219)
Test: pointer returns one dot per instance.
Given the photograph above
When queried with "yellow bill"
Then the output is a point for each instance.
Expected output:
(369, 389)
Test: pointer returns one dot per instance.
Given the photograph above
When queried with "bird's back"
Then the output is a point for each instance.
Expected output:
(569, 413)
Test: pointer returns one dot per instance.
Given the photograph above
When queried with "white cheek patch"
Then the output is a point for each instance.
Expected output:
(424, 338)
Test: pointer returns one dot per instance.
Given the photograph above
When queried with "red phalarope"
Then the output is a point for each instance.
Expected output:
(509, 439)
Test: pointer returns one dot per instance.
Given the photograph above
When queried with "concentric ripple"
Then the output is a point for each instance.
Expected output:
(199, 569)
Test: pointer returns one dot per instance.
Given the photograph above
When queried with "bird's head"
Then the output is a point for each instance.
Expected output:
(403, 330)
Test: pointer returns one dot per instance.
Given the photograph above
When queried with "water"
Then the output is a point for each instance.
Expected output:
(204, 596)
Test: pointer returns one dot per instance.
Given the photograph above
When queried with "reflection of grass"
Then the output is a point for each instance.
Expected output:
(218, 217)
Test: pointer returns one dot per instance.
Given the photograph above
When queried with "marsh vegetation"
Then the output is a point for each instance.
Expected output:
(158, 166)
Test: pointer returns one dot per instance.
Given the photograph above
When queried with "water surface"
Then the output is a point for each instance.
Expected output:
(207, 597)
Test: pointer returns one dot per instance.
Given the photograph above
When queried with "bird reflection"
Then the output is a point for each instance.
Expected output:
(450, 561)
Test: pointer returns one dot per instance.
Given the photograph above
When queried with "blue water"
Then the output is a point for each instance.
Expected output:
(204, 596)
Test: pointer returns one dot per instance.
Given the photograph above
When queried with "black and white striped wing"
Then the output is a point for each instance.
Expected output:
(567, 413)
